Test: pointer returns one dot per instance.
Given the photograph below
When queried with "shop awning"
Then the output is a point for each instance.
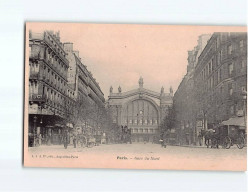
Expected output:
(237, 121)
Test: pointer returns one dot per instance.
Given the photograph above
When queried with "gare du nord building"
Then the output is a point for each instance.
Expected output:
(141, 110)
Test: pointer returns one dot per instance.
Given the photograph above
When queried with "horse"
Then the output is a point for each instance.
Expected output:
(211, 137)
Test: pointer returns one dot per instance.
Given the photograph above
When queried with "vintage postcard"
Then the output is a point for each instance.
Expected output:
(128, 96)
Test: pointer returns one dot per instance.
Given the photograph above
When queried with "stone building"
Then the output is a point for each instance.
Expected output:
(221, 79)
(212, 91)
(83, 83)
(184, 97)
(141, 110)
(80, 79)
(50, 100)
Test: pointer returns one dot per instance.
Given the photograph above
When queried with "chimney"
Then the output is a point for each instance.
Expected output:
(58, 35)
(68, 47)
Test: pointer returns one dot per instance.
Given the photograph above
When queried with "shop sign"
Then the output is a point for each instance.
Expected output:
(37, 97)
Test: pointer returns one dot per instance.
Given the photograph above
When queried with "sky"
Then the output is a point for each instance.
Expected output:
(118, 54)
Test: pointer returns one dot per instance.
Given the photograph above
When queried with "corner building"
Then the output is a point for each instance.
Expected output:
(50, 102)
(141, 110)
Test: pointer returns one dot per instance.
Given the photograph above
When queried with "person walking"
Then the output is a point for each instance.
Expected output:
(65, 139)
(74, 141)
(40, 139)
(200, 138)
(163, 140)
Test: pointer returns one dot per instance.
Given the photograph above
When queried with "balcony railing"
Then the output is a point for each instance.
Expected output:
(57, 69)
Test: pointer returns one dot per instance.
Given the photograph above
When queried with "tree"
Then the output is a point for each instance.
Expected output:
(169, 121)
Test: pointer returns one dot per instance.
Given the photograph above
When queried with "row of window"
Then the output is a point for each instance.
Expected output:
(218, 76)
(50, 94)
(57, 64)
(57, 47)
(53, 78)
(54, 61)
(143, 130)
(141, 121)
(50, 77)
(209, 68)
(56, 97)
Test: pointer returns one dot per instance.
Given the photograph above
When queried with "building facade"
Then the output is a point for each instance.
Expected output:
(184, 97)
(49, 101)
(87, 91)
(80, 79)
(141, 110)
(58, 83)
(212, 90)
(221, 79)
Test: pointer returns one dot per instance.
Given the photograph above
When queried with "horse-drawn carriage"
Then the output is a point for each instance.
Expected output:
(225, 136)
(86, 141)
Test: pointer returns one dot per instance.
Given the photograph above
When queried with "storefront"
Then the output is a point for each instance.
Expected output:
(46, 130)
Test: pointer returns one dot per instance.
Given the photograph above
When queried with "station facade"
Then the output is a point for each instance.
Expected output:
(140, 109)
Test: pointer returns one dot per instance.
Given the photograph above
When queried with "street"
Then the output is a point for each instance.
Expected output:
(174, 157)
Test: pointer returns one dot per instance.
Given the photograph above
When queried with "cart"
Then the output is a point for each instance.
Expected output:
(236, 130)
(91, 142)
(228, 133)
(82, 141)
(98, 139)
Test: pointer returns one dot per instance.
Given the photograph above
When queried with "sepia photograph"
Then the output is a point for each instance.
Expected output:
(135, 96)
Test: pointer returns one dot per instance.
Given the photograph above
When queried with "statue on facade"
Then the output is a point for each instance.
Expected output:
(162, 90)
(119, 89)
(111, 89)
(171, 90)
(141, 82)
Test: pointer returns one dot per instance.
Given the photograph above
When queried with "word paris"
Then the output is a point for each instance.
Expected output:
(135, 96)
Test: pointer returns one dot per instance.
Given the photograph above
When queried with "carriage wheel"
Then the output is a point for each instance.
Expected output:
(227, 142)
(240, 142)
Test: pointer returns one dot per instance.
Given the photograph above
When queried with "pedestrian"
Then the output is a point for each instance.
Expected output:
(200, 137)
(164, 140)
(74, 141)
(65, 139)
(40, 139)
(49, 138)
